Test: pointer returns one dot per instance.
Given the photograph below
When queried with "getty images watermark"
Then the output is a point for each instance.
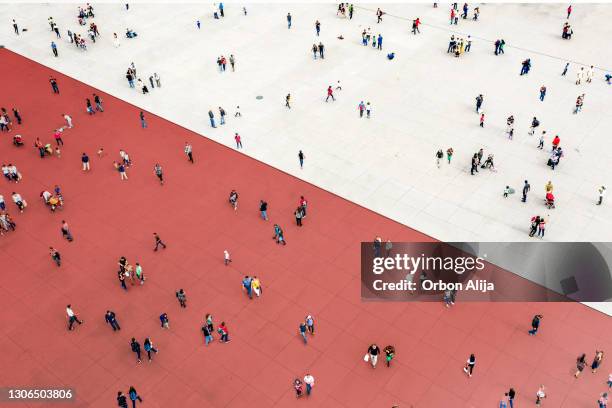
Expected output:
(484, 272)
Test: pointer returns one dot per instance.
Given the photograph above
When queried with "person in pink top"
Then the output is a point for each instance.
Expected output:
(58, 136)
(238, 141)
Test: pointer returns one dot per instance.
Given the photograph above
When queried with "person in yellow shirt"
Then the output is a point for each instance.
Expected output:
(256, 286)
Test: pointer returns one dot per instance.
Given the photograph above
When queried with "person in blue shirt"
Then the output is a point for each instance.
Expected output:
(134, 396)
(380, 39)
(221, 10)
(54, 48)
(289, 20)
(246, 282)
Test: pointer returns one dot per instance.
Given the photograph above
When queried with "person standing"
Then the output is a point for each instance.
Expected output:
(569, 12)
(288, 100)
(298, 216)
(482, 120)
(602, 193)
(479, 101)
(143, 122)
(182, 298)
(54, 48)
(542, 93)
(55, 255)
(565, 69)
(540, 395)
(206, 330)
(599, 354)
(542, 227)
(289, 21)
(238, 141)
(263, 209)
(301, 158)
(111, 319)
(309, 381)
(222, 329)
(158, 242)
(603, 400)
(449, 154)
(580, 364)
(439, 156)
(469, 366)
(121, 400)
(226, 257)
(66, 231)
(98, 102)
(511, 394)
(211, 116)
(15, 27)
(222, 115)
(317, 27)
(72, 317)
(535, 324)
(526, 189)
(164, 321)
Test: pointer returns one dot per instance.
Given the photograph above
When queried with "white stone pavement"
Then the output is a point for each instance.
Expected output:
(423, 100)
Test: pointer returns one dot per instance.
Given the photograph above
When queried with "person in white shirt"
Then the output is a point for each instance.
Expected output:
(68, 120)
(2, 204)
(45, 196)
(309, 381)
(226, 257)
(72, 317)
(19, 201)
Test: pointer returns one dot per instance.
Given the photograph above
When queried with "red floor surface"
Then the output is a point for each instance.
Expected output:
(316, 273)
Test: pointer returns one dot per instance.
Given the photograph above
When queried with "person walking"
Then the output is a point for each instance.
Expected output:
(143, 122)
(603, 400)
(134, 396)
(449, 154)
(164, 320)
(318, 27)
(158, 242)
(439, 157)
(372, 355)
(238, 140)
(602, 192)
(54, 48)
(54, 86)
(111, 319)
(511, 394)
(148, 346)
(289, 21)
(469, 366)
(309, 381)
(15, 27)
(222, 330)
(182, 298)
(542, 93)
(301, 158)
(565, 69)
(55, 256)
(189, 152)
(66, 231)
(302, 330)
(121, 400)
(599, 354)
(135, 346)
(246, 284)
(526, 189)
(535, 324)
(482, 120)
(227, 259)
(540, 395)
(330, 94)
(211, 116)
(580, 364)
(298, 216)
(288, 100)
(159, 172)
(222, 115)
(389, 354)
(72, 317)
(207, 331)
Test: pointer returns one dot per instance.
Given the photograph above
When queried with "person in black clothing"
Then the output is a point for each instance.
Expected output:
(298, 216)
(511, 394)
(474, 164)
(158, 242)
(263, 209)
(526, 188)
(301, 157)
(54, 86)
(89, 108)
(535, 324)
(469, 366)
(479, 100)
(17, 115)
(121, 400)
(182, 297)
(112, 320)
(135, 348)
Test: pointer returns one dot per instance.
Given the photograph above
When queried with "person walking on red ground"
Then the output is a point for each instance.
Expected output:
(372, 355)
(302, 330)
(535, 324)
(122, 275)
(238, 141)
(143, 122)
(389, 354)
(164, 321)
(469, 365)
(233, 200)
(246, 284)
(299, 214)
(159, 172)
(182, 298)
(121, 400)
(309, 381)
(189, 152)
(263, 209)
(54, 86)
(135, 346)
(134, 396)
(511, 394)
(111, 319)
(98, 102)
(148, 346)
(55, 256)
(599, 354)
(72, 317)
(68, 120)
(158, 242)
(226, 257)
(580, 364)
(279, 235)
(66, 231)
(303, 204)
(540, 395)
(297, 386)
(222, 330)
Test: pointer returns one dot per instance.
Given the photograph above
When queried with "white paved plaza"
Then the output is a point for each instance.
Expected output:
(423, 100)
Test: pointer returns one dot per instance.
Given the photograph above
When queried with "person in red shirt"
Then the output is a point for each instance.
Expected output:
(452, 16)
(58, 137)
(569, 11)
(238, 141)
(303, 205)
(555, 142)
(330, 93)
(222, 330)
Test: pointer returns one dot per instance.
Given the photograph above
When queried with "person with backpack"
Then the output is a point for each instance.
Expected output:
(134, 396)
(148, 346)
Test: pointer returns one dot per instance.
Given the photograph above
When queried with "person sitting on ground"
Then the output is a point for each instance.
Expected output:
(488, 164)
(130, 33)
(17, 140)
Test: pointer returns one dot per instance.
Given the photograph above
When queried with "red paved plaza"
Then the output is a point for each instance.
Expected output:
(316, 273)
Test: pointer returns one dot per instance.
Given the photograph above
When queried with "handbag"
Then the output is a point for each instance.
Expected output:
(366, 358)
